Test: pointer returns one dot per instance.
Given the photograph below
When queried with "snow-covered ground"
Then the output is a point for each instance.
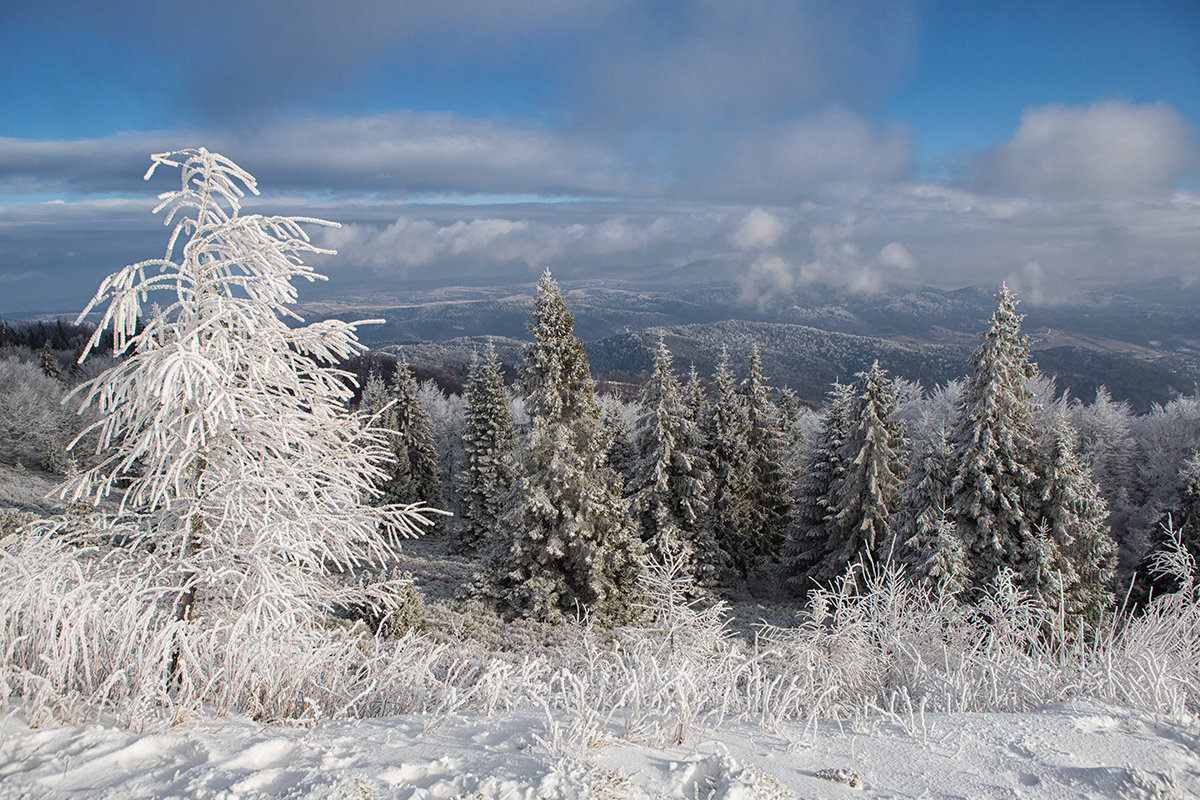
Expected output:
(1060, 751)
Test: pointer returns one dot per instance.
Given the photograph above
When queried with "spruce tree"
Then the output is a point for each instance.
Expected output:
(695, 400)
(995, 481)
(816, 507)
(489, 444)
(414, 475)
(768, 506)
(1077, 553)
(569, 544)
(872, 468)
(926, 542)
(669, 478)
(1181, 518)
(731, 462)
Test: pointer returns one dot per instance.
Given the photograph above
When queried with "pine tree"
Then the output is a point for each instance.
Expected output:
(569, 544)
(872, 468)
(816, 507)
(695, 400)
(926, 542)
(669, 479)
(414, 476)
(995, 480)
(490, 444)
(768, 506)
(49, 363)
(621, 454)
(1077, 553)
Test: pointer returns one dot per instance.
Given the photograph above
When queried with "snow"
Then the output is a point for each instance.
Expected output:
(1058, 751)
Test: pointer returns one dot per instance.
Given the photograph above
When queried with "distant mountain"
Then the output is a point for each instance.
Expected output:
(1141, 340)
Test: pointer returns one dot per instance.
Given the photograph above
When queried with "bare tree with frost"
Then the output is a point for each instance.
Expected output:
(244, 467)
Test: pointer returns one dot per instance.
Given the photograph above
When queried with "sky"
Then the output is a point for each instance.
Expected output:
(864, 145)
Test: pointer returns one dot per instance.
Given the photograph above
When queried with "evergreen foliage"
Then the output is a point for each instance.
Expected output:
(871, 458)
(926, 542)
(413, 475)
(669, 481)
(816, 507)
(731, 462)
(569, 544)
(1179, 521)
(490, 443)
(762, 528)
(1077, 553)
(995, 460)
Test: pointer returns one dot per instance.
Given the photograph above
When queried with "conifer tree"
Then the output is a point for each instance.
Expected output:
(926, 542)
(872, 467)
(731, 461)
(414, 475)
(669, 479)
(695, 400)
(489, 443)
(1077, 553)
(620, 454)
(1181, 518)
(816, 505)
(569, 544)
(768, 504)
(995, 460)
(49, 363)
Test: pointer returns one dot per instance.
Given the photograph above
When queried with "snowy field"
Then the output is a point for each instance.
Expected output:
(1060, 751)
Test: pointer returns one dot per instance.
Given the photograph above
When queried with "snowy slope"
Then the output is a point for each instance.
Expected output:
(1060, 751)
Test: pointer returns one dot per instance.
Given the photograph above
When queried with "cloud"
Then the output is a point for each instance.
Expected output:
(1110, 149)
(758, 229)
(896, 256)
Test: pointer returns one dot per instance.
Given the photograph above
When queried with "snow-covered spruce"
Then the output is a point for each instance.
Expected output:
(925, 541)
(246, 476)
(995, 457)
(489, 443)
(669, 481)
(769, 502)
(567, 544)
(412, 474)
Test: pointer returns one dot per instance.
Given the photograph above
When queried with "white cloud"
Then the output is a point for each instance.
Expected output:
(1103, 150)
(896, 256)
(758, 229)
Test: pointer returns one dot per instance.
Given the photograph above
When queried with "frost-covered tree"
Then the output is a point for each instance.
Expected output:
(669, 479)
(695, 399)
(241, 462)
(926, 542)
(568, 542)
(995, 460)
(814, 532)
(413, 475)
(1181, 520)
(731, 461)
(1077, 553)
(768, 503)
(620, 454)
(1109, 452)
(490, 444)
(872, 467)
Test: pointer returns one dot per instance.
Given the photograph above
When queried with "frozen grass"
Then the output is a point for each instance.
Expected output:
(86, 630)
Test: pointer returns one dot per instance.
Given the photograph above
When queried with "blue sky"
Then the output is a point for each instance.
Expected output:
(1050, 144)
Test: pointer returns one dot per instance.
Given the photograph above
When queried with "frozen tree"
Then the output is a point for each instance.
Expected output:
(620, 454)
(413, 475)
(871, 459)
(816, 504)
(1180, 520)
(731, 460)
(926, 541)
(375, 395)
(995, 478)
(695, 399)
(242, 464)
(1076, 555)
(768, 503)
(568, 544)
(669, 479)
(489, 443)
